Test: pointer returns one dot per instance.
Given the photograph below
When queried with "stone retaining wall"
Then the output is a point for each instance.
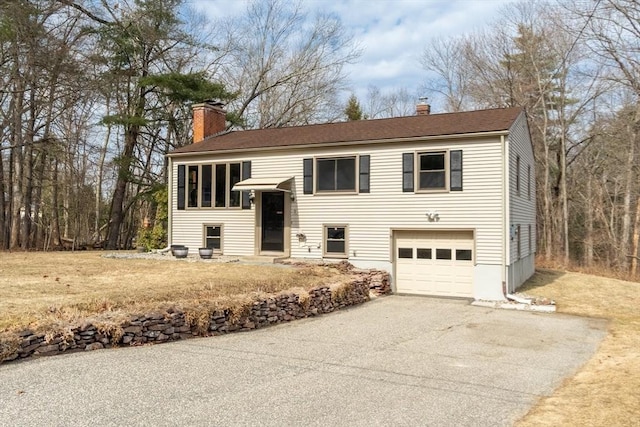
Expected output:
(174, 325)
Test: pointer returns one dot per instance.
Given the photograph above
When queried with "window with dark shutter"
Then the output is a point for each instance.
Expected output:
(407, 172)
(336, 174)
(181, 186)
(246, 174)
(364, 174)
(307, 172)
(192, 184)
(432, 171)
(455, 159)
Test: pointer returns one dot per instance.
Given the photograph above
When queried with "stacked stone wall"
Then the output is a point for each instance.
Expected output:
(174, 324)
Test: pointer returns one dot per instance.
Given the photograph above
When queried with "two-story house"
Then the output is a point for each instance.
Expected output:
(444, 202)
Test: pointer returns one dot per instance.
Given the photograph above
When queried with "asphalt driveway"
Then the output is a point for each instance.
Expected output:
(397, 360)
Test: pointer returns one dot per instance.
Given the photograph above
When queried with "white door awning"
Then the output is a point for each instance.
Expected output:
(264, 184)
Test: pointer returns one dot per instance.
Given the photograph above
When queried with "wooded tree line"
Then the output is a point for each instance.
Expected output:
(575, 66)
(93, 94)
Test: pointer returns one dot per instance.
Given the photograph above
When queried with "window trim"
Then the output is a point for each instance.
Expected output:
(204, 236)
(356, 190)
(417, 171)
(326, 254)
(518, 243)
(200, 181)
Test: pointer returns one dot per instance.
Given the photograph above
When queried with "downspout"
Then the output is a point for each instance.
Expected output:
(170, 203)
(506, 217)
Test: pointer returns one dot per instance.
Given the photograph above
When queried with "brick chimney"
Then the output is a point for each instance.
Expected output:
(422, 108)
(208, 119)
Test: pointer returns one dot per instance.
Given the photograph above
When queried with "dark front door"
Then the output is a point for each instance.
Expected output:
(272, 221)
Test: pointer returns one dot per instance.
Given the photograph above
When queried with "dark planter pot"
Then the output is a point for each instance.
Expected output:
(180, 252)
(205, 253)
(174, 247)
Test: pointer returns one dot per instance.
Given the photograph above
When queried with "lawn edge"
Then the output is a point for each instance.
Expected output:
(176, 323)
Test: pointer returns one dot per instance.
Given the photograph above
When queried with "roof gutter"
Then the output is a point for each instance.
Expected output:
(501, 133)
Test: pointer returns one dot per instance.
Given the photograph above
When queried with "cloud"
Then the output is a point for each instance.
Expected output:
(391, 33)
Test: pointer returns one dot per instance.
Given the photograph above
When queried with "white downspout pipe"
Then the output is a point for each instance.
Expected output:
(170, 205)
(506, 217)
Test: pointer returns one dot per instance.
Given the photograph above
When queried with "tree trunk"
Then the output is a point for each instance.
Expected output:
(635, 240)
(117, 204)
(3, 203)
(546, 205)
(16, 183)
(588, 236)
(564, 202)
(38, 238)
(103, 155)
(55, 226)
(625, 231)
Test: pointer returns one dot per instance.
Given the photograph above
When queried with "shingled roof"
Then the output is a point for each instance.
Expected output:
(359, 131)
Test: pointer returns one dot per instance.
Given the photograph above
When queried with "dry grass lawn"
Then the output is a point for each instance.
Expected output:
(606, 391)
(51, 290)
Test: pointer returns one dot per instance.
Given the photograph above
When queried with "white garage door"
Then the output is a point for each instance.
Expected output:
(434, 262)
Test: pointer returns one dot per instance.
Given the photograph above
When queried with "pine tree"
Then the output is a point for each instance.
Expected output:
(353, 111)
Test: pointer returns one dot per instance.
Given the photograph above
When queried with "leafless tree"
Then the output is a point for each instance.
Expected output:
(286, 64)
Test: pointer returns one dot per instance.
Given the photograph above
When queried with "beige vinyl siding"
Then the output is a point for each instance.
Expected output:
(522, 208)
(369, 216)
(238, 224)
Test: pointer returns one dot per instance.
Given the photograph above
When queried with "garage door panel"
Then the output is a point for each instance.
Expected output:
(434, 262)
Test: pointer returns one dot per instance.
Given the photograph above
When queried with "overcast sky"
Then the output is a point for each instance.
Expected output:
(391, 33)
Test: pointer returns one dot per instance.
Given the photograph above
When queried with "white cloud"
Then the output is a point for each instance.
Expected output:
(391, 33)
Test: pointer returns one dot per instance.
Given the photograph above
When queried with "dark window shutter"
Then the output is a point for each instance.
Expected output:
(181, 188)
(364, 174)
(307, 178)
(246, 174)
(407, 172)
(455, 160)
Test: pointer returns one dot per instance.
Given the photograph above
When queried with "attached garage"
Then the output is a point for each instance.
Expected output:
(434, 262)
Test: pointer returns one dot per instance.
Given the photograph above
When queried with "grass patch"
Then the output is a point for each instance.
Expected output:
(606, 391)
(44, 291)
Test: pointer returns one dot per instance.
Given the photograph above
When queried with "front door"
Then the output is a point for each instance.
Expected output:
(272, 211)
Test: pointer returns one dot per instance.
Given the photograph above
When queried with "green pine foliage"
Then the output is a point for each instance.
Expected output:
(353, 111)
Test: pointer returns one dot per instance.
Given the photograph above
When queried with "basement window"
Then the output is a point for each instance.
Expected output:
(335, 241)
(213, 237)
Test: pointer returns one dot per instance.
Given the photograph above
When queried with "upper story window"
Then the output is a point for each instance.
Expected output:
(336, 174)
(345, 174)
(210, 185)
(432, 171)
